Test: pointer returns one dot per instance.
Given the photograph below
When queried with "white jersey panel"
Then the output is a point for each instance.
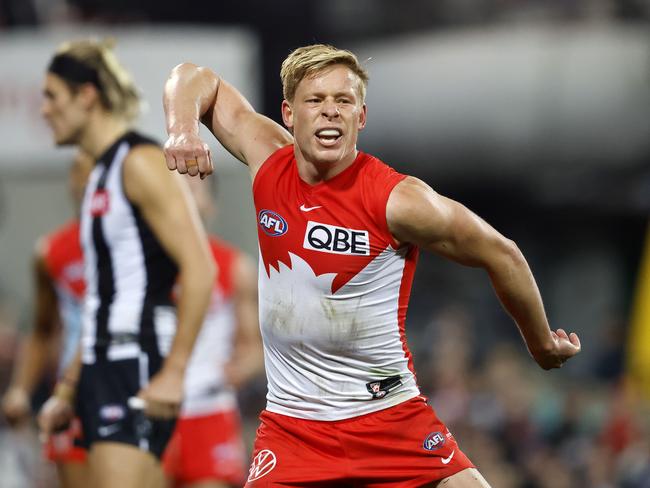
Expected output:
(318, 345)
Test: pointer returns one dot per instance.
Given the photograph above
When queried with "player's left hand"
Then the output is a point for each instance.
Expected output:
(164, 394)
(565, 346)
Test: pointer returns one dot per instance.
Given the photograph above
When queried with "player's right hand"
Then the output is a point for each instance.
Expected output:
(187, 153)
(57, 412)
(16, 406)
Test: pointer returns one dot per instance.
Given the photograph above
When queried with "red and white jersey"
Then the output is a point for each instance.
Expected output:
(334, 289)
(63, 258)
(206, 390)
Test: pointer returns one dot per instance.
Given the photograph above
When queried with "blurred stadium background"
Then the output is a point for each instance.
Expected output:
(534, 113)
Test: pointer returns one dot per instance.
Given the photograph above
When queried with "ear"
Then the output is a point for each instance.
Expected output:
(363, 114)
(88, 95)
(287, 114)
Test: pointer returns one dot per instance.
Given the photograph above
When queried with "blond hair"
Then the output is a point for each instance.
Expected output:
(117, 92)
(309, 60)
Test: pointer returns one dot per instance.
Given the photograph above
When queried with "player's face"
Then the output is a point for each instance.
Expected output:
(63, 110)
(326, 116)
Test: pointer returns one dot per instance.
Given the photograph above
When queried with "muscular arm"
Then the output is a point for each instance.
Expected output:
(194, 94)
(36, 351)
(248, 358)
(418, 215)
(166, 206)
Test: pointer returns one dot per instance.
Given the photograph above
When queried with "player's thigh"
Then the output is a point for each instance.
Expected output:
(115, 464)
(73, 474)
(467, 478)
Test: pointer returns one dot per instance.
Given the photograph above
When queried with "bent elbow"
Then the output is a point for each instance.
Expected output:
(511, 252)
(184, 68)
(504, 255)
(189, 71)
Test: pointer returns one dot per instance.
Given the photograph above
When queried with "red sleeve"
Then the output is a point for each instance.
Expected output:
(381, 180)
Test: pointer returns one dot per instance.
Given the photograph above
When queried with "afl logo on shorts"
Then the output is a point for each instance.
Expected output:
(262, 465)
(434, 441)
(99, 203)
(272, 223)
(112, 412)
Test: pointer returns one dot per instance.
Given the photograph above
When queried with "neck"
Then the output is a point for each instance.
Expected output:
(313, 173)
(101, 132)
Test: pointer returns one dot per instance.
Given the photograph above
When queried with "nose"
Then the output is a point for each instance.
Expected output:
(330, 109)
(45, 108)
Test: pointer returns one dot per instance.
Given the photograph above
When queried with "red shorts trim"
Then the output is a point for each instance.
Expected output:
(207, 448)
(406, 446)
(63, 447)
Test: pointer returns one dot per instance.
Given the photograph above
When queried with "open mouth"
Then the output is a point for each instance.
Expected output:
(328, 137)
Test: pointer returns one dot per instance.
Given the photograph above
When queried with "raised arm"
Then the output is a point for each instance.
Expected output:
(194, 94)
(165, 203)
(418, 215)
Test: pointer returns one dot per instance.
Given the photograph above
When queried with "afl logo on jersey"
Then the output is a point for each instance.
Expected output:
(99, 203)
(272, 223)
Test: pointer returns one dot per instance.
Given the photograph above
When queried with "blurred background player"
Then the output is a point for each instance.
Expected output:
(207, 449)
(59, 290)
(136, 224)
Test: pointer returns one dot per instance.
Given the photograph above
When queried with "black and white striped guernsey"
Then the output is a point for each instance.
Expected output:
(128, 311)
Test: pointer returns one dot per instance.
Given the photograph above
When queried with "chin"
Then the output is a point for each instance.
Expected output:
(64, 141)
(325, 160)
(329, 155)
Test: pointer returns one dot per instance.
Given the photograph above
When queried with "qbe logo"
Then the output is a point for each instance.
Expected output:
(273, 224)
(337, 240)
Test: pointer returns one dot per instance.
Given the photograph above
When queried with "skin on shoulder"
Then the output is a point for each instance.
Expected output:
(142, 174)
(166, 204)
